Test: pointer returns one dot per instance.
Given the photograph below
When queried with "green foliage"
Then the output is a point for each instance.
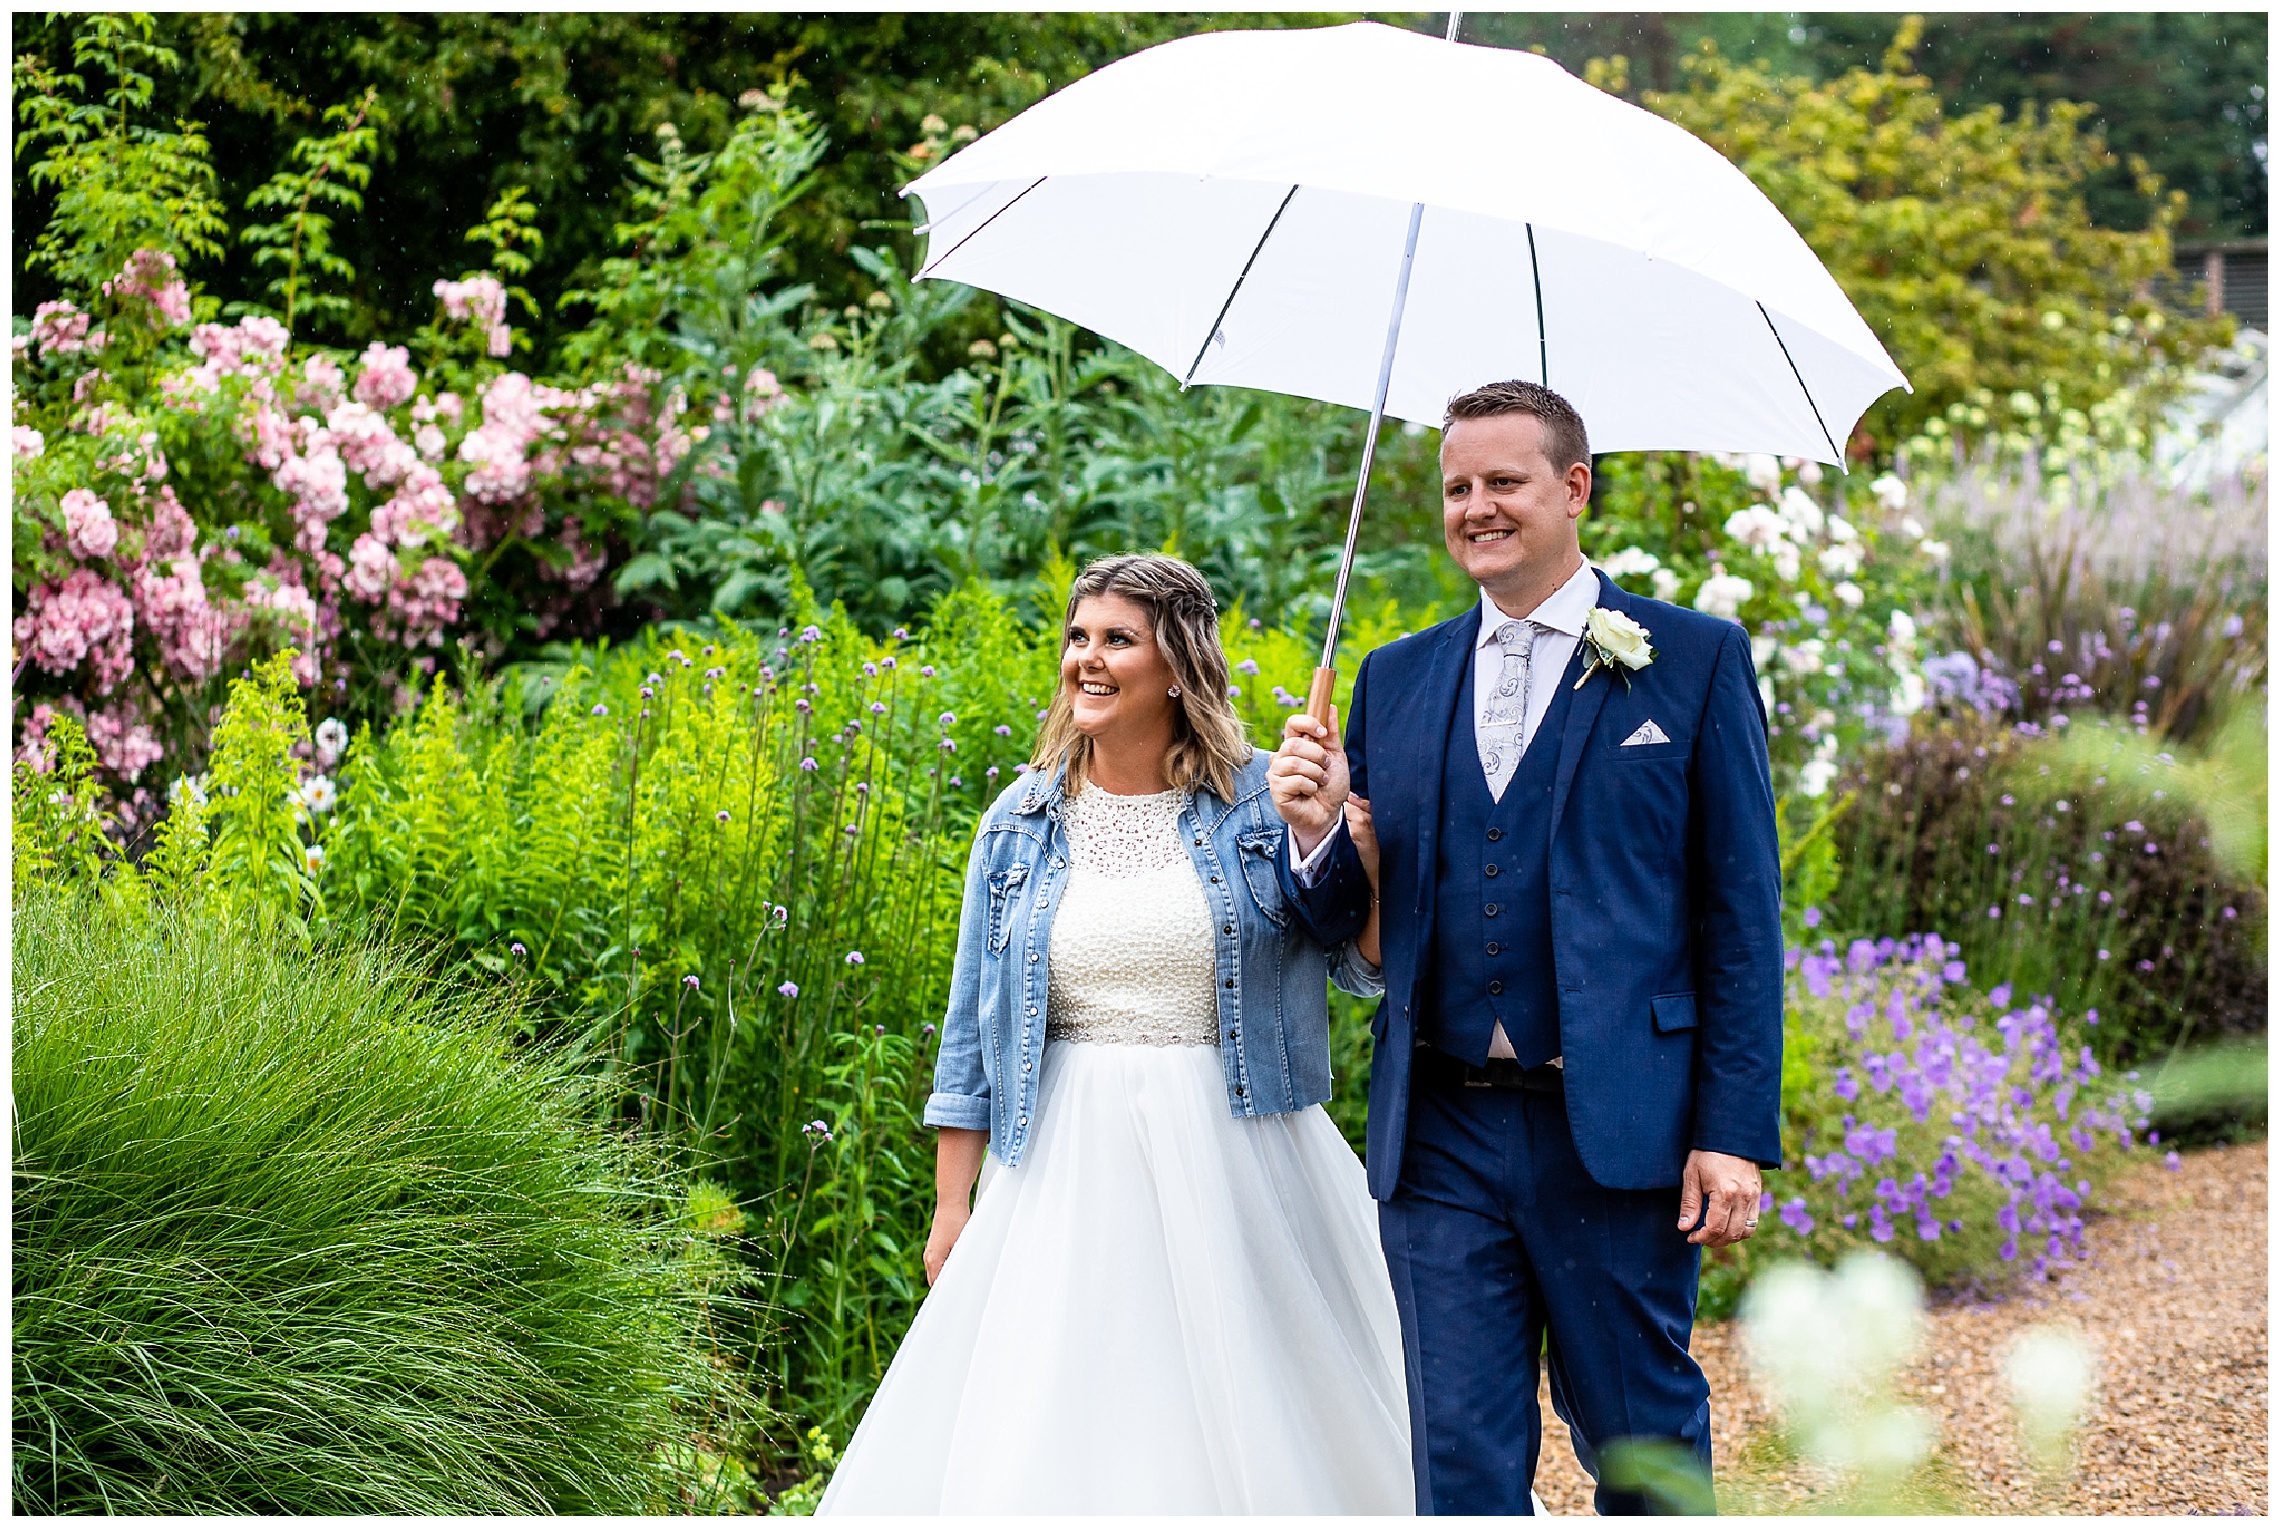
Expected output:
(258, 855)
(119, 185)
(59, 820)
(297, 1234)
(336, 171)
(726, 871)
(1966, 242)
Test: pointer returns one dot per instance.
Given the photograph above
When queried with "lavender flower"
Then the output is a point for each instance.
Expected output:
(788, 989)
(854, 957)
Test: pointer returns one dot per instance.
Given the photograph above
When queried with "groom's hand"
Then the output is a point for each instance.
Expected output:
(1308, 779)
(1724, 1192)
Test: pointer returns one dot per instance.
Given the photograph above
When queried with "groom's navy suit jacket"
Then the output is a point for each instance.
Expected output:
(1665, 888)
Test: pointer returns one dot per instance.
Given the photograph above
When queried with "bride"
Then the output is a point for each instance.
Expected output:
(1168, 1296)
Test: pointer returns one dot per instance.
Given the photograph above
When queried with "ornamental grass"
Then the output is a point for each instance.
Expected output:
(299, 1233)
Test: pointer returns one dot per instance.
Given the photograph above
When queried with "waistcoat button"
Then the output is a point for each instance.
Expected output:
(1489, 870)
(1488, 911)
(1493, 947)
(1495, 988)
(1494, 834)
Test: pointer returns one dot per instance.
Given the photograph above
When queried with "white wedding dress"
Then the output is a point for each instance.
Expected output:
(1163, 1308)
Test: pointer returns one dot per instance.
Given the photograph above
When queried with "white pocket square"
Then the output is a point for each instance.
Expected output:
(1648, 733)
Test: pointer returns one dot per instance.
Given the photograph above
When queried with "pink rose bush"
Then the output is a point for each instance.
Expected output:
(213, 492)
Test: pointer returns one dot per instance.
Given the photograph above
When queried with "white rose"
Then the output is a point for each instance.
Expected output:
(1798, 508)
(1619, 637)
(1850, 593)
(1841, 560)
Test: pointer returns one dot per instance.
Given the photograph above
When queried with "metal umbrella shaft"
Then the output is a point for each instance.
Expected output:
(1319, 693)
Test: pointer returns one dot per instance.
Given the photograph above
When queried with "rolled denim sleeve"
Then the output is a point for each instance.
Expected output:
(1351, 971)
(961, 1096)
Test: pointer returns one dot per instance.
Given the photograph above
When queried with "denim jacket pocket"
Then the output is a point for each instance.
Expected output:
(1258, 847)
(1004, 885)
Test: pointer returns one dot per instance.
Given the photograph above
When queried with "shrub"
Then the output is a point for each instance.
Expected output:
(2051, 874)
(296, 1233)
(727, 870)
(1962, 1131)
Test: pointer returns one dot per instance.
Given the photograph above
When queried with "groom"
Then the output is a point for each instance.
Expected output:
(1577, 1071)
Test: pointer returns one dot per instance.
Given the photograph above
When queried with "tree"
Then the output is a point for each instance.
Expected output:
(1966, 242)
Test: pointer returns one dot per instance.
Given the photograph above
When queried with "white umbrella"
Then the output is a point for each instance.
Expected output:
(1371, 217)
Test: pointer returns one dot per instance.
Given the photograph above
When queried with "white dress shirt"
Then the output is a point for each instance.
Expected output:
(1558, 626)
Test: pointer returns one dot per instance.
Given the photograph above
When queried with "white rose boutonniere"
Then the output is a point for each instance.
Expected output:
(1617, 644)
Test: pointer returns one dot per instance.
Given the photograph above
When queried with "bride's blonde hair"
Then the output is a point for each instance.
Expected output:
(1209, 745)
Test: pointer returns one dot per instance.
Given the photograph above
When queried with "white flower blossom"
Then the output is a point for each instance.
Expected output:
(1841, 560)
(1803, 657)
(1908, 694)
(1758, 526)
(1631, 562)
(1849, 593)
(1802, 514)
(1902, 628)
(319, 794)
(1937, 551)
(1666, 584)
(1763, 472)
(1841, 529)
(1722, 594)
(1891, 493)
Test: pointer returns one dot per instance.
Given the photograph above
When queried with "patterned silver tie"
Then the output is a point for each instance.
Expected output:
(1504, 731)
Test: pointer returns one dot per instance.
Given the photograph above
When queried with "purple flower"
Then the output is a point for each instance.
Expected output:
(2000, 995)
(809, 765)
(811, 634)
(1952, 971)
(788, 989)
(926, 1030)
(1795, 1216)
(878, 708)
(689, 982)
(851, 830)
(1002, 730)
(954, 780)
(1812, 917)
(991, 772)
(720, 816)
(926, 671)
(949, 745)
(2173, 1162)
(854, 957)
(601, 710)
(870, 671)
(517, 949)
(948, 719)
(879, 1030)
(900, 635)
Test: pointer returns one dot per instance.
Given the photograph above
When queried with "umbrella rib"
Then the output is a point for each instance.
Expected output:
(1244, 275)
(935, 265)
(1536, 274)
(1838, 456)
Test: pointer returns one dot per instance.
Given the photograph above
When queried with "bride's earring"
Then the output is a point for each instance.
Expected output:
(1174, 692)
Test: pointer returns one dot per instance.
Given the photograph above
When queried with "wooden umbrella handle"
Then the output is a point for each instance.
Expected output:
(1320, 693)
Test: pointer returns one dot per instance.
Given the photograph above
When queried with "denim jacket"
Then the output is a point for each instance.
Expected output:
(1274, 1009)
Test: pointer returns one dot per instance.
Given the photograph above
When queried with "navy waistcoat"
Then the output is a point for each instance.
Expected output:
(1492, 925)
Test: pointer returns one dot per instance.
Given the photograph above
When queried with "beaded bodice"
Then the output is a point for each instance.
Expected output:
(1132, 959)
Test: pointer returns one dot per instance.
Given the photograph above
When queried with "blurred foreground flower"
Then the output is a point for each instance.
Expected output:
(2049, 1372)
(1827, 1346)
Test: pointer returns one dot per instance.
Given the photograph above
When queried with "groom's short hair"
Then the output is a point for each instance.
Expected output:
(1564, 440)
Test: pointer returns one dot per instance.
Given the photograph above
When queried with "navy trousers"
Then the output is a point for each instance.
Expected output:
(1495, 1236)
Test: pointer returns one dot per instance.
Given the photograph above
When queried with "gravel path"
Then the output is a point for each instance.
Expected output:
(2173, 1302)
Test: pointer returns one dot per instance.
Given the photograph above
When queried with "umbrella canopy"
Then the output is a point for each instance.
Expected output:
(1237, 207)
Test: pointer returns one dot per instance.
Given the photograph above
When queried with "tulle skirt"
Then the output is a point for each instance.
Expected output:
(1162, 1309)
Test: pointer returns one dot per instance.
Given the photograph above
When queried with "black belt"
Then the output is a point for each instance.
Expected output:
(1500, 1072)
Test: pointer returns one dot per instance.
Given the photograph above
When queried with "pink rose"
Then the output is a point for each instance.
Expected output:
(88, 528)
